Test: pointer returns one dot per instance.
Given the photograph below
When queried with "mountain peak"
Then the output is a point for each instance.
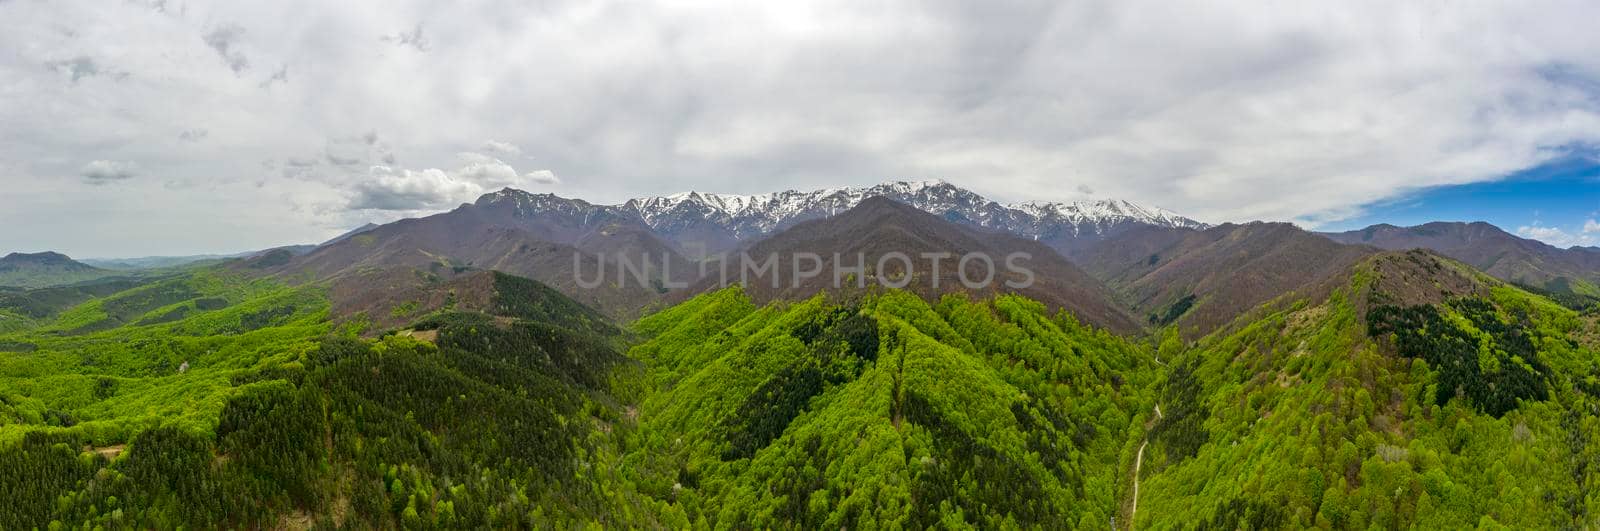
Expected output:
(42, 258)
(721, 220)
(916, 184)
(37, 270)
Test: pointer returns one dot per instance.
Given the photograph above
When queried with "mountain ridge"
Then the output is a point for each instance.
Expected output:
(878, 227)
(1201, 280)
(713, 223)
(1572, 272)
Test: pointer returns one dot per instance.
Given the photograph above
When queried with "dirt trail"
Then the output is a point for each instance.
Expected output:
(1138, 464)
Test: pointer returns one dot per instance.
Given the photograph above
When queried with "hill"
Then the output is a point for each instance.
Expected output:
(847, 249)
(1413, 391)
(1200, 280)
(38, 270)
(1418, 393)
(885, 411)
(219, 400)
(1570, 274)
(512, 232)
(382, 301)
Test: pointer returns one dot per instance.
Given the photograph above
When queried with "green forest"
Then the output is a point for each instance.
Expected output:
(213, 399)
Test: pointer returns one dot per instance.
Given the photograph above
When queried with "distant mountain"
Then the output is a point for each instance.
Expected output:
(38, 270)
(1569, 273)
(878, 226)
(165, 262)
(1203, 279)
(719, 221)
(698, 224)
(536, 236)
(155, 262)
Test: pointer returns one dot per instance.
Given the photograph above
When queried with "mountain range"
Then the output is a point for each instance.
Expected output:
(1111, 262)
(459, 371)
(554, 239)
(864, 235)
(1146, 267)
(705, 223)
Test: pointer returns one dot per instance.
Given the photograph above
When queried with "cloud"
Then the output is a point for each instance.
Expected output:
(502, 148)
(1557, 237)
(281, 75)
(1591, 226)
(83, 66)
(224, 40)
(193, 135)
(488, 171)
(400, 189)
(101, 172)
(357, 150)
(413, 38)
(1227, 111)
(541, 177)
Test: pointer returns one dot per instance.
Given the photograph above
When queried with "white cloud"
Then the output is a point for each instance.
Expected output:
(399, 189)
(402, 189)
(1591, 226)
(541, 177)
(102, 172)
(502, 148)
(1557, 237)
(487, 171)
(1229, 111)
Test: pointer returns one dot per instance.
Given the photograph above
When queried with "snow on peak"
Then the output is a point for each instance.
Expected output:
(1106, 211)
(760, 214)
(764, 213)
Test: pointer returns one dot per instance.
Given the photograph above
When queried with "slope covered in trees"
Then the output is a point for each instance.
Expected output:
(1421, 394)
(247, 409)
(1415, 393)
(886, 411)
(38, 270)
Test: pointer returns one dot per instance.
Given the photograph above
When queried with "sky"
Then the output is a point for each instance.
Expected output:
(1557, 203)
(134, 128)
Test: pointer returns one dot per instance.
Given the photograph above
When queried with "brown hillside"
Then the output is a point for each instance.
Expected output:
(1228, 270)
(880, 226)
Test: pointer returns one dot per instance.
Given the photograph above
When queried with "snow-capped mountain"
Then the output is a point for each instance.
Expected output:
(718, 222)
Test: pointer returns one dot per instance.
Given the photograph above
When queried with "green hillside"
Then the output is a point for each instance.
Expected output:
(1418, 394)
(39, 270)
(1472, 408)
(212, 400)
(886, 411)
